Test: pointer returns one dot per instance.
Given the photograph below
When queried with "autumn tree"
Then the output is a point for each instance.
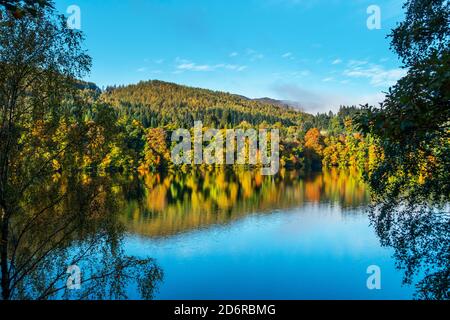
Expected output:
(44, 134)
(157, 154)
(412, 126)
(314, 145)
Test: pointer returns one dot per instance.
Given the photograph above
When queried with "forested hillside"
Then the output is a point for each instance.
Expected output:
(157, 103)
(139, 119)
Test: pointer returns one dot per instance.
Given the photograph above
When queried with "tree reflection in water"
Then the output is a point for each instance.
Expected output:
(171, 204)
(73, 221)
(176, 203)
(420, 237)
(81, 220)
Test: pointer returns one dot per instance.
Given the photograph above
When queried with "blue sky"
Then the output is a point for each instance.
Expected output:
(316, 52)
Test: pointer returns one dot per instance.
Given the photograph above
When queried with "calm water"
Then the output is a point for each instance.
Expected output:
(225, 235)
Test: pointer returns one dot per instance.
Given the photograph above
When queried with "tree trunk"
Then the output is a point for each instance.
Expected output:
(5, 285)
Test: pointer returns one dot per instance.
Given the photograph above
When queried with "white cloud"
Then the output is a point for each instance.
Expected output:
(314, 101)
(337, 61)
(234, 67)
(185, 65)
(143, 69)
(291, 75)
(357, 63)
(234, 54)
(254, 55)
(195, 67)
(181, 60)
(377, 75)
(309, 100)
(304, 73)
(287, 55)
(329, 79)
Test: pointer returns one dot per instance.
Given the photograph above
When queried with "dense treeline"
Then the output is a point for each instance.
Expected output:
(138, 121)
(157, 103)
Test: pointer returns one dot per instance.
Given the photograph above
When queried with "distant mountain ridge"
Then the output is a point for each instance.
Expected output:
(288, 103)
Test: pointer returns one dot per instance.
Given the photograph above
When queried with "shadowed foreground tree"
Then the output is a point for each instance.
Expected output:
(413, 124)
(43, 132)
(420, 237)
(20, 8)
(79, 228)
(411, 182)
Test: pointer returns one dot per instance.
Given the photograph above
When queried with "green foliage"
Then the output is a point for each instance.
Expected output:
(314, 145)
(411, 181)
(158, 104)
(155, 104)
(349, 149)
(50, 124)
(148, 148)
(157, 154)
(20, 8)
(413, 124)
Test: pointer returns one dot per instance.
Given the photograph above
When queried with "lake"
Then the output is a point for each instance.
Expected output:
(238, 235)
(225, 234)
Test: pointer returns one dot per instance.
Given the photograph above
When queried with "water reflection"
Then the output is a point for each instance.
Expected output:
(420, 238)
(72, 221)
(163, 206)
(88, 221)
(177, 203)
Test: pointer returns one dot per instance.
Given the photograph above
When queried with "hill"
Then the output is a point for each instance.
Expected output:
(157, 103)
